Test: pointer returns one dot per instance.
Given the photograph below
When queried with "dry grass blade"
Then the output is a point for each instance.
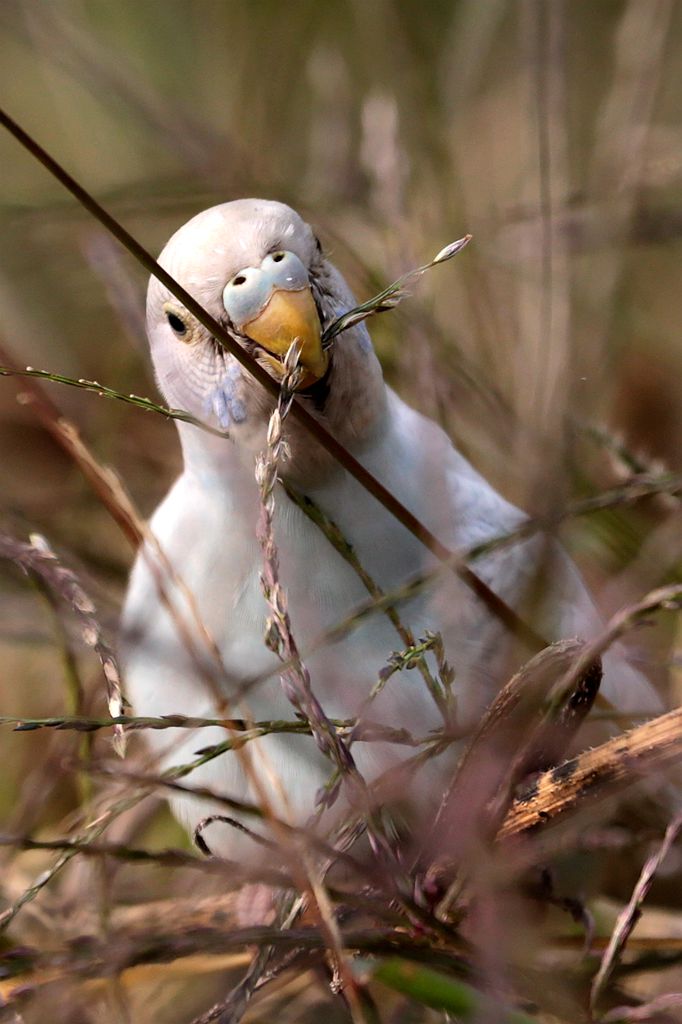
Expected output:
(39, 558)
(170, 858)
(639, 488)
(103, 481)
(335, 537)
(97, 827)
(661, 599)
(305, 836)
(350, 728)
(629, 916)
(296, 679)
(647, 1013)
(126, 949)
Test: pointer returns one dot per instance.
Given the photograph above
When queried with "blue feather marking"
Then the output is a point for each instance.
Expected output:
(364, 338)
(224, 401)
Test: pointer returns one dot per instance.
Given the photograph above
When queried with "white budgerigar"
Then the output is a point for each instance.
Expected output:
(258, 268)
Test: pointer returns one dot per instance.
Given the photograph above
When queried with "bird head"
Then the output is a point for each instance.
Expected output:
(259, 270)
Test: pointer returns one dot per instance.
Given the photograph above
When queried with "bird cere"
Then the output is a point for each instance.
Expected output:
(274, 306)
(207, 643)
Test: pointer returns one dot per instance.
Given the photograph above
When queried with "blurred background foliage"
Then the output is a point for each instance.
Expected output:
(549, 130)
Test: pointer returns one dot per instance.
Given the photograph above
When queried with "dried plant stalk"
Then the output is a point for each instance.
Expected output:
(295, 678)
(594, 774)
(38, 557)
(630, 914)
(522, 730)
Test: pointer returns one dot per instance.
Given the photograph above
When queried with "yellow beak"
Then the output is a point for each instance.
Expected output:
(287, 316)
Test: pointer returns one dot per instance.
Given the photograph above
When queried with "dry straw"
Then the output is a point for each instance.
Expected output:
(395, 923)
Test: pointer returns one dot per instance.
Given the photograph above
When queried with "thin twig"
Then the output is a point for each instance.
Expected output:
(170, 858)
(113, 495)
(629, 916)
(130, 949)
(101, 823)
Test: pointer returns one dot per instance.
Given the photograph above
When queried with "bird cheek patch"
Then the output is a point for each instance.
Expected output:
(224, 401)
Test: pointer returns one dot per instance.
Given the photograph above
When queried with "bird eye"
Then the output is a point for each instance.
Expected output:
(176, 324)
(278, 257)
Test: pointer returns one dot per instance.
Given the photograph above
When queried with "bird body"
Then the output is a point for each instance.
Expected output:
(206, 529)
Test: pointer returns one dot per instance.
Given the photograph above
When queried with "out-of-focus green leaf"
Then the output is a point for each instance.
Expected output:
(440, 992)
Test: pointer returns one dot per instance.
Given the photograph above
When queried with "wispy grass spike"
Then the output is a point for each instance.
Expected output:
(106, 392)
(391, 295)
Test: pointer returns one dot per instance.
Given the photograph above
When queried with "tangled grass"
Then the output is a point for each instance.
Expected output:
(517, 915)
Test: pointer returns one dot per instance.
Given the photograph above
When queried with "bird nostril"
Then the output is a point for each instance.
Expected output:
(239, 280)
(278, 257)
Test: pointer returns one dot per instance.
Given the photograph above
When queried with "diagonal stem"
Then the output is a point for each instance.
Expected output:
(499, 608)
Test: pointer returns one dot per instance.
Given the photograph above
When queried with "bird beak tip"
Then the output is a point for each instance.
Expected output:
(286, 317)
